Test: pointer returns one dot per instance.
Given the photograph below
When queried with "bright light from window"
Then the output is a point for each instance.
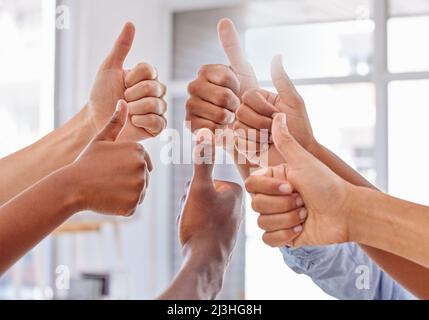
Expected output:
(314, 50)
(408, 49)
(27, 32)
(408, 132)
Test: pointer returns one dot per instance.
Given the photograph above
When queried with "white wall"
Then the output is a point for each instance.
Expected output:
(95, 25)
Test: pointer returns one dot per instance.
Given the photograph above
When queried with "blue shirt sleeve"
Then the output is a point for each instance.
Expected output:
(345, 272)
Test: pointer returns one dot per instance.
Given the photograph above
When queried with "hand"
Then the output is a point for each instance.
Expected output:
(327, 198)
(112, 176)
(139, 87)
(257, 111)
(213, 210)
(282, 211)
(215, 94)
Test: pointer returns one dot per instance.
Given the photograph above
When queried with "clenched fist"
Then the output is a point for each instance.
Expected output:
(327, 197)
(258, 109)
(216, 93)
(139, 87)
(111, 175)
(213, 209)
(282, 211)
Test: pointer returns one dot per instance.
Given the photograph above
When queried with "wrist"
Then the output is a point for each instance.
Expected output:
(88, 127)
(207, 252)
(357, 213)
(207, 260)
(72, 186)
(314, 147)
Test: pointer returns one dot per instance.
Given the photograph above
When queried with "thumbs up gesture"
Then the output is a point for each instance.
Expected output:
(111, 175)
(258, 109)
(213, 211)
(139, 87)
(328, 199)
(216, 93)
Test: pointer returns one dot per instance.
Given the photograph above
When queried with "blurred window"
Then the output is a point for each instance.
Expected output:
(361, 68)
(26, 107)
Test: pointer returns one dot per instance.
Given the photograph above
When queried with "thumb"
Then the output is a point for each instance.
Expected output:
(285, 143)
(230, 42)
(204, 157)
(116, 124)
(283, 84)
(122, 47)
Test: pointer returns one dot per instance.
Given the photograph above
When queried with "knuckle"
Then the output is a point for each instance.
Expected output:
(142, 164)
(247, 96)
(139, 147)
(130, 213)
(261, 222)
(145, 68)
(266, 239)
(248, 184)
(189, 105)
(257, 204)
(224, 98)
(218, 116)
(193, 88)
(225, 78)
(205, 69)
(240, 112)
(141, 183)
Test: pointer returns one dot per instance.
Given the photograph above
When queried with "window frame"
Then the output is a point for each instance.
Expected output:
(379, 76)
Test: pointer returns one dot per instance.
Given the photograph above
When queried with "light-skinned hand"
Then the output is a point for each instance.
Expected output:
(139, 87)
(282, 211)
(327, 198)
(258, 109)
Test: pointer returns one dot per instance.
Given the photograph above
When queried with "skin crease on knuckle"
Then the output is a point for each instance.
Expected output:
(225, 97)
(193, 87)
(249, 95)
(147, 70)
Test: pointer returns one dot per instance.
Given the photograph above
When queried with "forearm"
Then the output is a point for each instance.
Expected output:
(29, 217)
(390, 224)
(411, 275)
(201, 275)
(59, 148)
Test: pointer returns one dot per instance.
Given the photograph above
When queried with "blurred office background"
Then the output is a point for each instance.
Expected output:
(361, 65)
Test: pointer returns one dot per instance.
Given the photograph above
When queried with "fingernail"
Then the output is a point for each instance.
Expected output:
(303, 214)
(297, 229)
(274, 114)
(299, 201)
(118, 106)
(285, 188)
(229, 117)
(284, 120)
